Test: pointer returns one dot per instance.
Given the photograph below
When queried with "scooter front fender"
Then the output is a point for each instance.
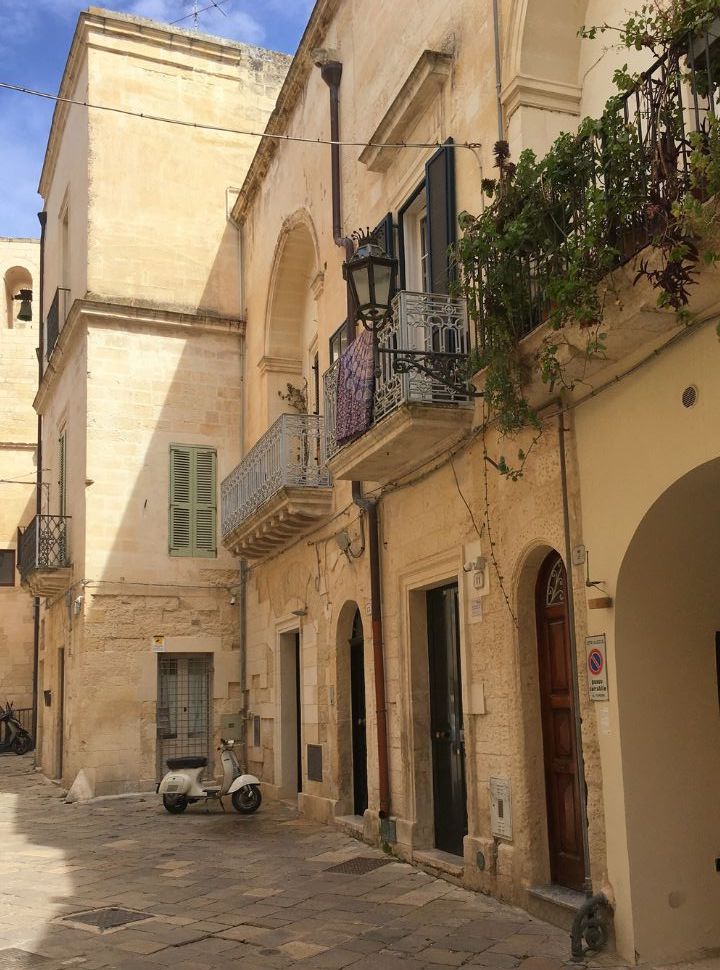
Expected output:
(174, 783)
(242, 781)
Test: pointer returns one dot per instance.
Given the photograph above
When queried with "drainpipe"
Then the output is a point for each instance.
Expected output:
(369, 507)
(42, 217)
(580, 763)
(331, 73)
(498, 71)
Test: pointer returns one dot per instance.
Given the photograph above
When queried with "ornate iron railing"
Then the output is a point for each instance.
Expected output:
(289, 455)
(428, 327)
(638, 158)
(43, 544)
(55, 319)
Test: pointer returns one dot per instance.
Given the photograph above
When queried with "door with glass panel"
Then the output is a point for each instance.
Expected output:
(183, 707)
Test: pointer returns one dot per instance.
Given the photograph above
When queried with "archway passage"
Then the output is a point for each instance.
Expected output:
(666, 623)
(558, 725)
(358, 715)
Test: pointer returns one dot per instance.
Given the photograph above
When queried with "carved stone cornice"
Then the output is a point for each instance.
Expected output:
(524, 91)
(421, 86)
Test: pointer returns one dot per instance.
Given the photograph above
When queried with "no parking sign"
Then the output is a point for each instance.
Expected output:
(597, 668)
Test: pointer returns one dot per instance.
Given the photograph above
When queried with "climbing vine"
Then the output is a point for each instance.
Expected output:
(631, 183)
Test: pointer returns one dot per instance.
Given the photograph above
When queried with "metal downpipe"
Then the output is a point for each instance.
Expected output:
(42, 218)
(369, 506)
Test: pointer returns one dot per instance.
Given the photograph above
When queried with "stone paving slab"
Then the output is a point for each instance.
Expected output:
(228, 891)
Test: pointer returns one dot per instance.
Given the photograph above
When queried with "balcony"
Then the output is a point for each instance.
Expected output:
(278, 490)
(415, 416)
(55, 319)
(43, 555)
(613, 205)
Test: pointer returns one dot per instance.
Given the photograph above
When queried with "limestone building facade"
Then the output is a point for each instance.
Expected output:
(417, 625)
(19, 269)
(140, 397)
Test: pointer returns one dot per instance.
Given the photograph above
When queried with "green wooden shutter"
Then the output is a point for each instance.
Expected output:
(62, 487)
(441, 215)
(180, 500)
(204, 510)
(193, 502)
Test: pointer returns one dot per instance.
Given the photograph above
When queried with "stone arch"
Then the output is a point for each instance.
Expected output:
(292, 315)
(16, 278)
(531, 804)
(667, 653)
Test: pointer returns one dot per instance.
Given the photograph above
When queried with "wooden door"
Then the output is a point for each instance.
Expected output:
(446, 720)
(298, 711)
(357, 713)
(558, 726)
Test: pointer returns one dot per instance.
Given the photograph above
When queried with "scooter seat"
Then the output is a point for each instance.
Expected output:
(175, 763)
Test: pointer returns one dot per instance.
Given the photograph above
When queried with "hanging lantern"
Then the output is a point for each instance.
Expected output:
(371, 276)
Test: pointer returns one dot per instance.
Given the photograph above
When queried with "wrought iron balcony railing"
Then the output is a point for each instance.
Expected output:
(288, 455)
(43, 544)
(428, 326)
(638, 160)
(55, 319)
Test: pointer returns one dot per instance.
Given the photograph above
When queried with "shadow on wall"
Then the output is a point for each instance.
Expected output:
(667, 615)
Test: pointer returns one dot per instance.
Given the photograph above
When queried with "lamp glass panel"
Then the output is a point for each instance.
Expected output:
(362, 283)
(382, 284)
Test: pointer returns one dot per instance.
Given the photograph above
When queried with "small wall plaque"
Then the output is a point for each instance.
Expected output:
(501, 808)
(314, 762)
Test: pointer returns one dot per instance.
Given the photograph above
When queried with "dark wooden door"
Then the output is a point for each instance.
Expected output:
(298, 711)
(446, 720)
(357, 713)
(558, 725)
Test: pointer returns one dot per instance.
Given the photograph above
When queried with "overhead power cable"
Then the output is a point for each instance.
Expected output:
(201, 10)
(232, 131)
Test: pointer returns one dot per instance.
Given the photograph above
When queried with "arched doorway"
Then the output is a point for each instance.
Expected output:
(667, 619)
(358, 716)
(557, 707)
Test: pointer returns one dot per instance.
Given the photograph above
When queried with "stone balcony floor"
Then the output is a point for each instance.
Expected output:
(231, 891)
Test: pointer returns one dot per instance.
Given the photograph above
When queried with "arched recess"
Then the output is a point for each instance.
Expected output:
(541, 85)
(533, 801)
(291, 323)
(667, 654)
(16, 278)
(351, 703)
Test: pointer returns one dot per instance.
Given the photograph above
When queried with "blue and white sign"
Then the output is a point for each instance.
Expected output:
(596, 652)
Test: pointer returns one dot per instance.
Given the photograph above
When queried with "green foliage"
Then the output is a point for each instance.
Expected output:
(554, 229)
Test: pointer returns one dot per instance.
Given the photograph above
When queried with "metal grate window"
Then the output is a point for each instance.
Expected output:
(7, 567)
(183, 707)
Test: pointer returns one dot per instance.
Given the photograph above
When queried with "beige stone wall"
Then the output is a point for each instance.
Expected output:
(18, 434)
(131, 374)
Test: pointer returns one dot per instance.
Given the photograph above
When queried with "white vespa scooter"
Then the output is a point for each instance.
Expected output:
(181, 786)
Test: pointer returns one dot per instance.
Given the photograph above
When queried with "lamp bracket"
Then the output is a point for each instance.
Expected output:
(445, 368)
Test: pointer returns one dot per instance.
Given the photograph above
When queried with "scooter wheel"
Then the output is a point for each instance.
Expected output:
(247, 800)
(22, 744)
(175, 804)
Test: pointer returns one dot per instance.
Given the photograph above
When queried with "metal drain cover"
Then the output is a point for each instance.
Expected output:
(104, 920)
(14, 959)
(359, 865)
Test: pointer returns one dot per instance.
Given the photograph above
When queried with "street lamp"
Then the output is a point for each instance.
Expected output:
(372, 278)
(25, 312)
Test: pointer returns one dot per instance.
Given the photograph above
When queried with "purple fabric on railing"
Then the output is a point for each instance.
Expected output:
(355, 389)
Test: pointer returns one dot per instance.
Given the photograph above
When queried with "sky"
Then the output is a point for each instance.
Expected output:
(35, 38)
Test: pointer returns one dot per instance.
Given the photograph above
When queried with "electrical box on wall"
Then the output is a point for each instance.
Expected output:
(231, 726)
(501, 808)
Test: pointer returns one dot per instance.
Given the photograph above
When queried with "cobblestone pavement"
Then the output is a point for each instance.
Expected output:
(225, 890)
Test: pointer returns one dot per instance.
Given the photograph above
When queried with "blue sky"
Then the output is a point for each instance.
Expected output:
(34, 41)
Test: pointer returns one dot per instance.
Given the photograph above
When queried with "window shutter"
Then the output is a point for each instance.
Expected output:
(180, 500)
(385, 235)
(441, 216)
(62, 489)
(204, 512)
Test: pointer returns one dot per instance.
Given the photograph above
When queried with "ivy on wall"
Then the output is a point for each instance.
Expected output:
(634, 181)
